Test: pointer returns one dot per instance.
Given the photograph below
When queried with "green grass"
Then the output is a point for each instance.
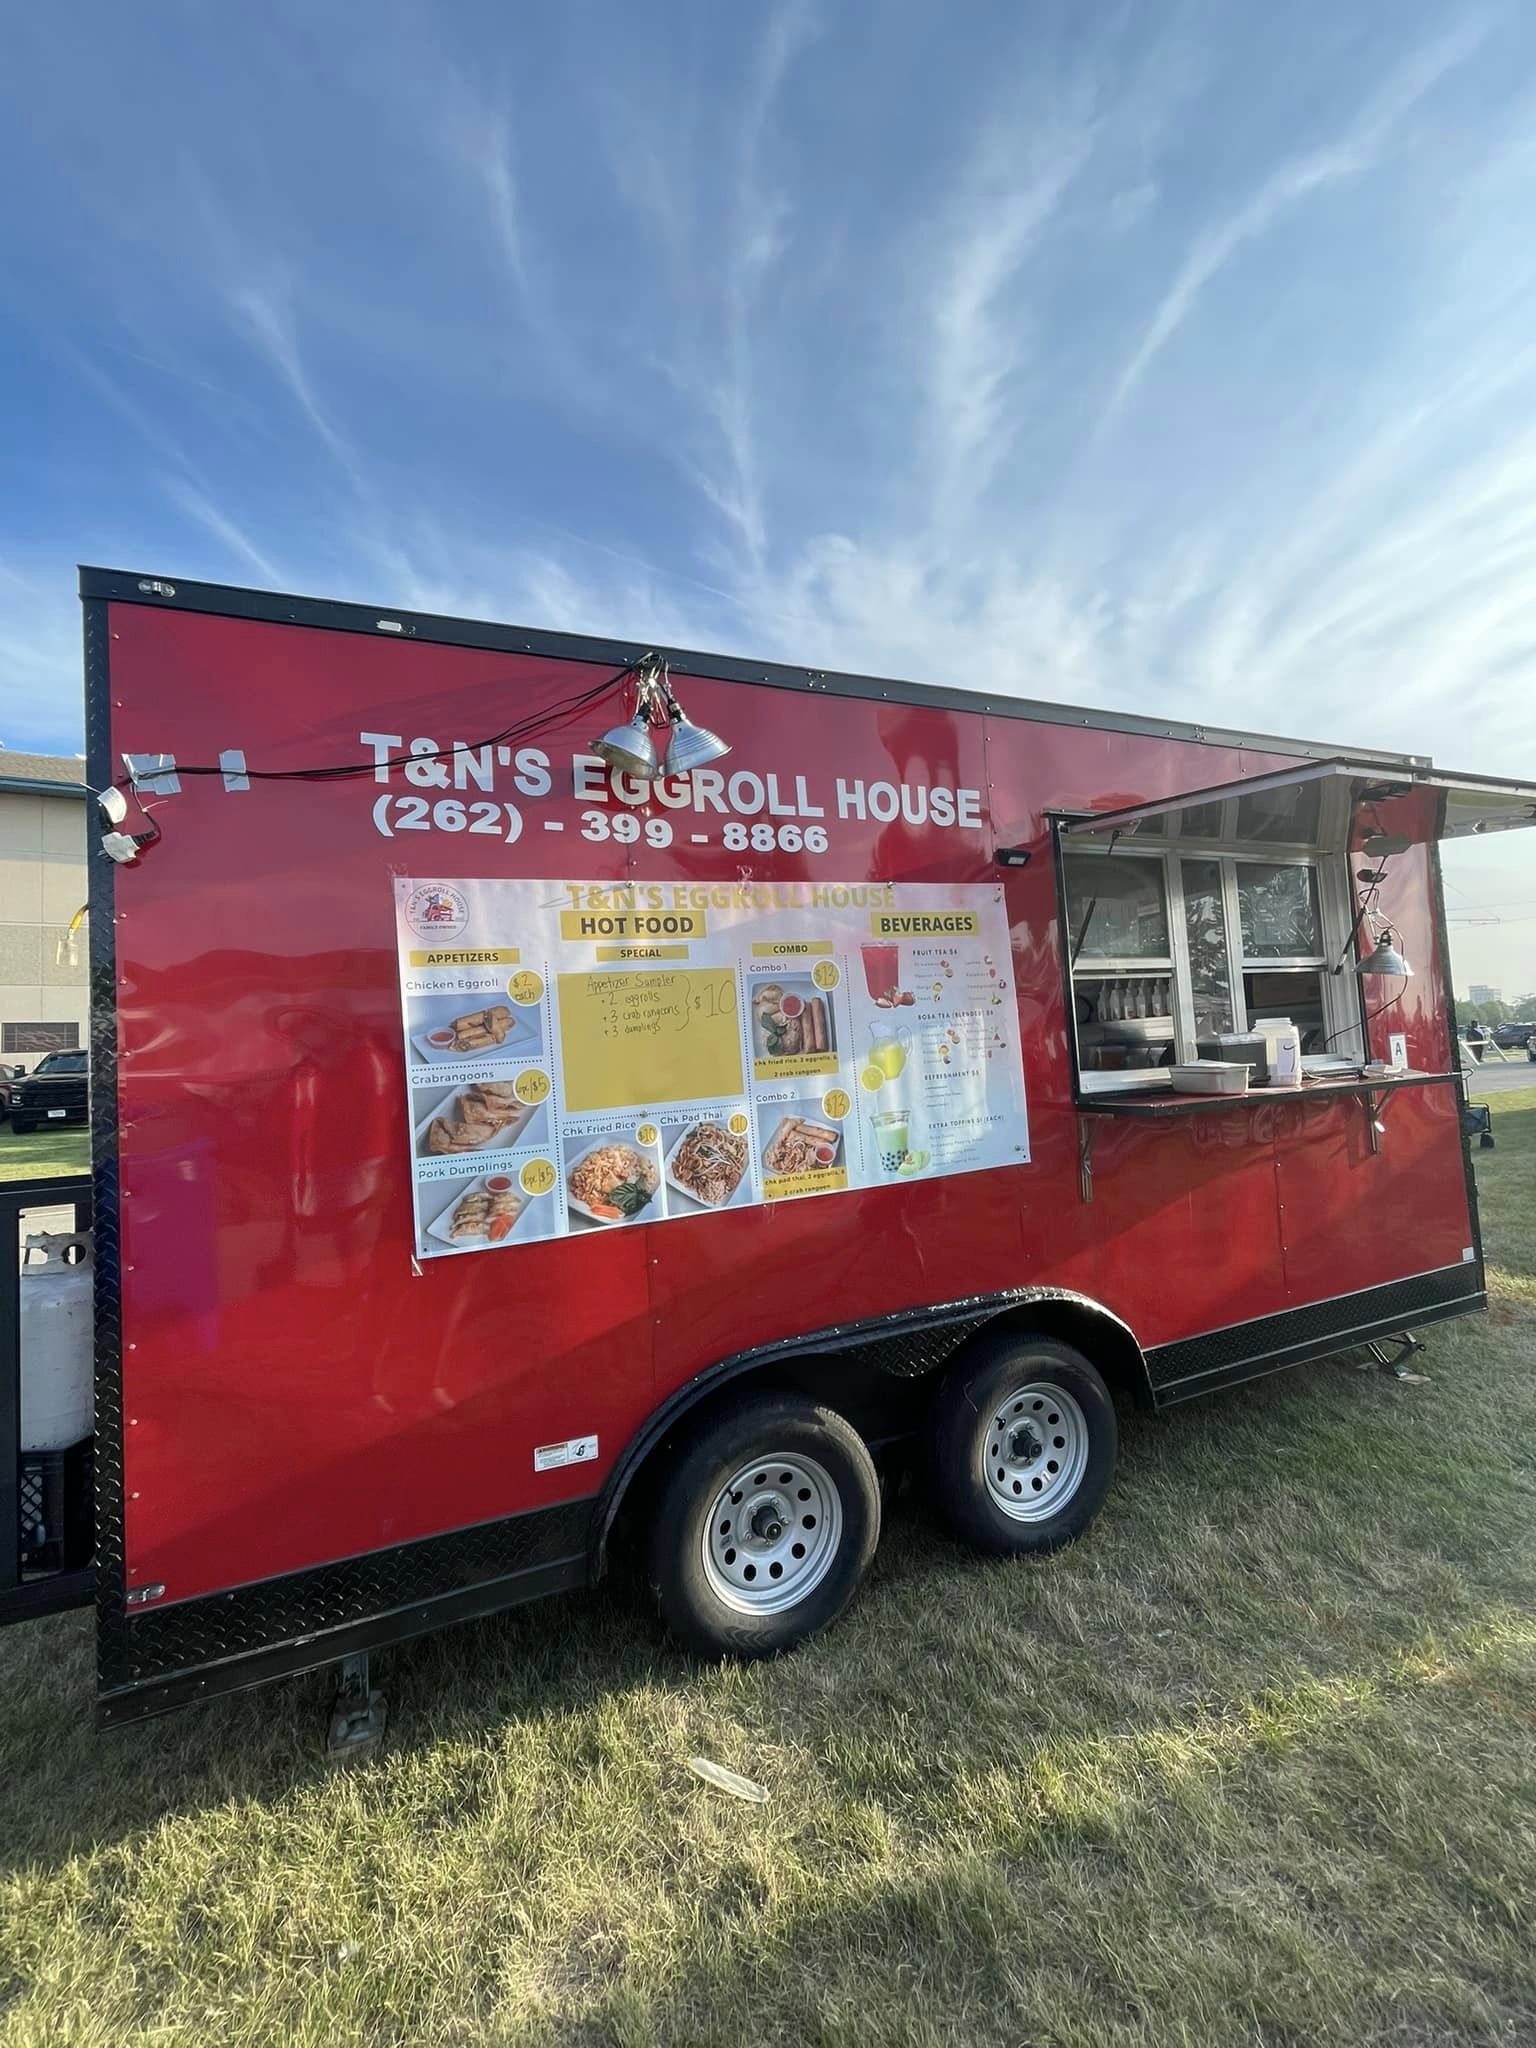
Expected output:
(1251, 1764)
(45, 1154)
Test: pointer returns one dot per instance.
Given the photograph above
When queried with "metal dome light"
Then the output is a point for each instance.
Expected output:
(690, 745)
(631, 747)
(1384, 957)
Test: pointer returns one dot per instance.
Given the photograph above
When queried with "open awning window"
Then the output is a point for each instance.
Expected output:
(1324, 807)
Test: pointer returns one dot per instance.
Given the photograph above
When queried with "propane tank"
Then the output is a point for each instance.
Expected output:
(57, 1396)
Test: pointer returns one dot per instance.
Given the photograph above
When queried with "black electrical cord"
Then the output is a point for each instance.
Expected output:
(1366, 1023)
(521, 729)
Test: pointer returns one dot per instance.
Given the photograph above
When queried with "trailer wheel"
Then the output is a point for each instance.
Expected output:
(764, 1529)
(22, 1126)
(1024, 1445)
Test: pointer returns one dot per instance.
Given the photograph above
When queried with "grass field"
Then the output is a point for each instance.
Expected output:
(39, 1155)
(1251, 1764)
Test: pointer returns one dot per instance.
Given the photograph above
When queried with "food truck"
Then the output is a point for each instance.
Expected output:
(553, 1095)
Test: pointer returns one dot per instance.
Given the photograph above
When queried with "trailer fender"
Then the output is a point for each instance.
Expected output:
(909, 1346)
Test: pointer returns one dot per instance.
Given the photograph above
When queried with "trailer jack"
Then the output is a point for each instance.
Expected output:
(1396, 1363)
(358, 1715)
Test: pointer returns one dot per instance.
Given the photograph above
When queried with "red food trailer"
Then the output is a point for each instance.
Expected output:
(424, 1009)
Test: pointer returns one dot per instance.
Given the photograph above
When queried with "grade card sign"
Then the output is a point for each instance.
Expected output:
(585, 1056)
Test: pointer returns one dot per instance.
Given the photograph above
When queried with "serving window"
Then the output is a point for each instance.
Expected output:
(1170, 949)
(1195, 915)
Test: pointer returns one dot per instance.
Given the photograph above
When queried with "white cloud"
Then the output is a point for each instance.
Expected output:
(1356, 151)
(198, 507)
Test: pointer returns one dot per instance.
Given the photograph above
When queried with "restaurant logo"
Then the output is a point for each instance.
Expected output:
(436, 911)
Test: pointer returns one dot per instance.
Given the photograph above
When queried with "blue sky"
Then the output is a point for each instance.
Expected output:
(1175, 357)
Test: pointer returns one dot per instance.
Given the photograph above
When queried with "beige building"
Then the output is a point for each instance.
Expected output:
(44, 996)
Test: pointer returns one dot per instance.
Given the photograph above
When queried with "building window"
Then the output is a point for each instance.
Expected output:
(39, 1038)
(1174, 948)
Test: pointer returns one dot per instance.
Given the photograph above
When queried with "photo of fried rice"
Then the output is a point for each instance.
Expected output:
(613, 1183)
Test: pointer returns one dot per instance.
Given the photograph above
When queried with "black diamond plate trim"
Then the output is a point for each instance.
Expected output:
(1316, 1328)
(909, 1354)
(193, 1635)
(106, 1242)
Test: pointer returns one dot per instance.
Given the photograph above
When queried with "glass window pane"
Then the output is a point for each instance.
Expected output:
(1295, 992)
(1287, 816)
(1116, 907)
(1205, 927)
(1278, 906)
(1200, 821)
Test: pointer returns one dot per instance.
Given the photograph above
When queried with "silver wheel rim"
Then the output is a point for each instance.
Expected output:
(1034, 1451)
(772, 1535)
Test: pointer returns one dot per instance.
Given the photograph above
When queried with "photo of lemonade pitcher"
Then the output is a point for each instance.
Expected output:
(889, 1047)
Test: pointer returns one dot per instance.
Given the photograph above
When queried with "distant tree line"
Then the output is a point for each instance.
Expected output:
(1521, 1012)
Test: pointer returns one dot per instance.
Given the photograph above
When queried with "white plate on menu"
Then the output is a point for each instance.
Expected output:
(441, 1226)
(653, 1212)
(688, 1193)
(507, 1135)
(522, 1036)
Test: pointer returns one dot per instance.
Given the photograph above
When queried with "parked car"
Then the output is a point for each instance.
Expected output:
(8, 1075)
(57, 1091)
(1514, 1037)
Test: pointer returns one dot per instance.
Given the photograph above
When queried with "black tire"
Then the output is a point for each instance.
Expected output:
(1064, 1448)
(697, 1601)
(22, 1126)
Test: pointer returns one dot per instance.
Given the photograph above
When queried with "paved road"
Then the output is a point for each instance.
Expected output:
(1497, 1078)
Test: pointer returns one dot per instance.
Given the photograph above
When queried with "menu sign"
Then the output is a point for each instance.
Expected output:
(583, 1056)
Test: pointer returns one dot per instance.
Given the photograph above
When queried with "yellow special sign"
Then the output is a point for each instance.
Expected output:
(635, 927)
(924, 924)
(537, 1177)
(606, 953)
(649, 1034)
(526, 988)
(826, 974)
(532, 1085)
(467, 956)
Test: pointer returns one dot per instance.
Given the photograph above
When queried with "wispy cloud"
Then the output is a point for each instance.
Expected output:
(39, 663)
(264, 313)
(1357, 150)
(982, 337)
(221, 526)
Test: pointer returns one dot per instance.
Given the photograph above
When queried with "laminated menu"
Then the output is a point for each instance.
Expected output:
(582, 1056)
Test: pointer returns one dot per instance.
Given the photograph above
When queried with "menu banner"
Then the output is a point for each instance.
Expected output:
(583, 1056)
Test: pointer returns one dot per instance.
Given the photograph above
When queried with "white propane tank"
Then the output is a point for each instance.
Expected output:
(57, 1395)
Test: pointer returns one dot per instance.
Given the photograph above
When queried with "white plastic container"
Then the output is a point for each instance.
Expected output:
(57, 1392)
(1283, 1049)
(1210, 1077)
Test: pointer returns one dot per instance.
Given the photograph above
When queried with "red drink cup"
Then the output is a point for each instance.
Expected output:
(882, 968)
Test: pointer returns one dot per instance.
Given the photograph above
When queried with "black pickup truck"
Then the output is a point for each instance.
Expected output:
(57, 1091)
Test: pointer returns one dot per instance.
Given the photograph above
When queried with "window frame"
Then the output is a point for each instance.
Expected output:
(1342, 998)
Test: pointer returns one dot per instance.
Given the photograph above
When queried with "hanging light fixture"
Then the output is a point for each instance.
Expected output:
(631, 747)
(690, 745)
(1384, 957)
